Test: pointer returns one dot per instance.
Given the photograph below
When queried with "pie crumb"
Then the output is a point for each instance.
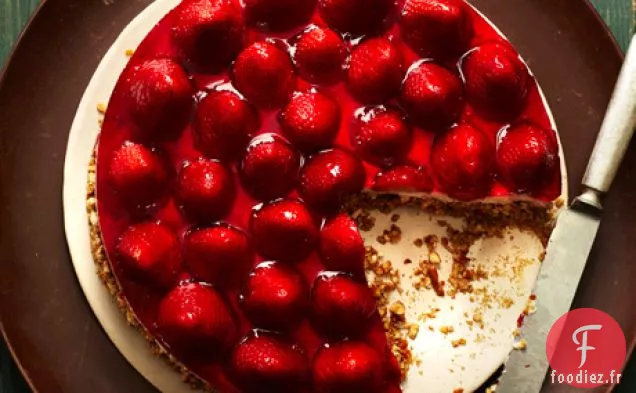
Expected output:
(458, 343)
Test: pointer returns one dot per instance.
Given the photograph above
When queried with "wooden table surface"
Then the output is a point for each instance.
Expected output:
(620, 15)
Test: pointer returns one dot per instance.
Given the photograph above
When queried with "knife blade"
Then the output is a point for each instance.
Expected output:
(569, 244)
(573, 237)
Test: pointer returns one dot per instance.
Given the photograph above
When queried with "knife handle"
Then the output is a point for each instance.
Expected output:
(616, 132)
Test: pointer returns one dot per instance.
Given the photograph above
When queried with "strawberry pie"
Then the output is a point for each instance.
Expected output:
(240, 135)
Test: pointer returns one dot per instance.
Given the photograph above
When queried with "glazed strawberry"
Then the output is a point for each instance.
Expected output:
(527, 157)
(320, 55)
(375, 71)
(264, 74)
(403, 178)
(209, 32)
(150, 251)
(463, 162)
(284, 230)
(496, 81)
(263, 362)
(275, 297)
(438, 29)
(337, 297)
(310, 120)
(432, 96)
(382, 136)
(137, 174)
(329, 176)
(279, 15)
(220, 254)
(159, 96)
(223, 125)
(355, 16)
(269, 169)
(341, 246)
(205, 190)
(347, 367)
(194, 317)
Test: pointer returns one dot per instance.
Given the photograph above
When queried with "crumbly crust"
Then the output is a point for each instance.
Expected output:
(482, 220)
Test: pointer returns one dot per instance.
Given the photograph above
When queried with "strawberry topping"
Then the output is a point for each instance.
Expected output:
(160, 99)
(329, 176)
(527, 157)
(375, 71)
(279, 15)
(337, 297)
(220, 255)
(437, 29)
(320, 55)
(284, 230)
(223, 125)
(205, 190)
(137, 174)
(463, 161)
(264, 74)
(151, 252)
(310, 120)
(347, 367)
(381, 135)
(264, 362)
(194, 317)
(208, 32)
(275, 297)
(496, 81)
(341, 246)
(355, 16)
(432, 96)
(291, 109)
(270, 167)
(405, 178)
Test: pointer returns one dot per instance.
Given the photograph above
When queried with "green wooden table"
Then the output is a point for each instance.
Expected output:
(619, 14)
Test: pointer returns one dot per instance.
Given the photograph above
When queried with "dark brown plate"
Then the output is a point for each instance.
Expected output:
(48, 324)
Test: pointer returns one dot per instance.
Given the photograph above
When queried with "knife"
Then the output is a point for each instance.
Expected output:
(573, 237)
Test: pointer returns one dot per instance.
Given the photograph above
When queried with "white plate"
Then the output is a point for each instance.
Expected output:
(441, 369)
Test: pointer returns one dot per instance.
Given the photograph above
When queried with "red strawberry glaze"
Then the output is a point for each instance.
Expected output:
(120, 126)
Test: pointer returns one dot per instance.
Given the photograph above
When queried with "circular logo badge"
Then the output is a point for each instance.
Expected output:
(586, 348)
